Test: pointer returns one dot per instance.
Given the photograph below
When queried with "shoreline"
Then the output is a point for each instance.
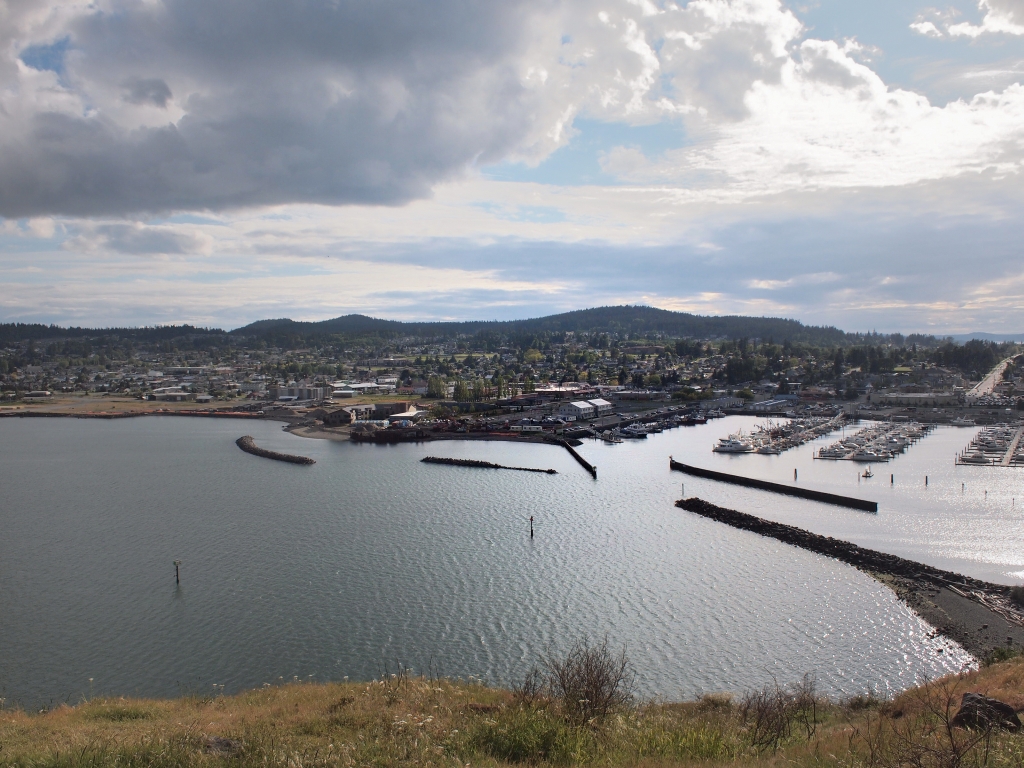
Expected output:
(975, 614)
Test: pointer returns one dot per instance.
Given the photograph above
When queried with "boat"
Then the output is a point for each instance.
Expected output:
(733, 444)
(865, 454)
(976, 458)
(868, 473)
(610, 437)
(962, 421)
(634, 431)
(769, 450)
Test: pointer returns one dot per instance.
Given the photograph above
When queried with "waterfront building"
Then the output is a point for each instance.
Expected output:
(578, 409)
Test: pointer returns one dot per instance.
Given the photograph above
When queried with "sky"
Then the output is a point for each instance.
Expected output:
(217, 162)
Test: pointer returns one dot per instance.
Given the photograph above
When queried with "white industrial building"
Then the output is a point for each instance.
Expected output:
(578, 409)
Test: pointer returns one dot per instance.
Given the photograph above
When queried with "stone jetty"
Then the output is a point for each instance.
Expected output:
(480, 464)
(248, 444)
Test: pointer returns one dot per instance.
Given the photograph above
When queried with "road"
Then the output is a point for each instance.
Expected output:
(986, 385)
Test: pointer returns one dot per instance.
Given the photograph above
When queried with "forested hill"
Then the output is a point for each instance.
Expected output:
(636, 322)
(19, 332)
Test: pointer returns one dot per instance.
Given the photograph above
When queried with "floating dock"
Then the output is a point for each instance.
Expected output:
(998, 446)
(583, 462)
(878, 443)
(788, 490)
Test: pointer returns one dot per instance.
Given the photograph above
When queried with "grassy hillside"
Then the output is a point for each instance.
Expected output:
(418, 721)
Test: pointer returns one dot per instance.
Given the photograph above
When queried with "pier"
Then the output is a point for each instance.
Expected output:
(998, 446)
(1012, 450)
(765, 485)
(880, 443)
(247, 444)
(583, 462)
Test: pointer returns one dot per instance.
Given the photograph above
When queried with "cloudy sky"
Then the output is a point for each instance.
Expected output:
(222, 161)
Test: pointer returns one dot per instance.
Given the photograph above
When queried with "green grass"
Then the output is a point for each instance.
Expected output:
(421, 722)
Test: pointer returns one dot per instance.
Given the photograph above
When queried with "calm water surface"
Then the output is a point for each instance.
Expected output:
(370, 558)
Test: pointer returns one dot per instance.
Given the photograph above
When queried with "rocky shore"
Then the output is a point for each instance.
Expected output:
(978, 615)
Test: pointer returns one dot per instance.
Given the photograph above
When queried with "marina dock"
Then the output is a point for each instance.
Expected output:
(880, 442)
(765, 485)
(998, 446)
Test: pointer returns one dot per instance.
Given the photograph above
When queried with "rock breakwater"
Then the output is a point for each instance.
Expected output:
(480, 464)
(248, 444)
(977, 614)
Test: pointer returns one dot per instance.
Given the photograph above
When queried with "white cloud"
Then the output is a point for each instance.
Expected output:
(1000, 17)
(831, 121)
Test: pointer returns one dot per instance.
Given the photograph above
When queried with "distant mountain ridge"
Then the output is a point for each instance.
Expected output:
(632, 320)
(997, 337)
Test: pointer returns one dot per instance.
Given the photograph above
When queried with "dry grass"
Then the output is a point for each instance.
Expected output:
(417, 721)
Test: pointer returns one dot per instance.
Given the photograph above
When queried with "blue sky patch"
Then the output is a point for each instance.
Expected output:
(578, 163)
(47, 57)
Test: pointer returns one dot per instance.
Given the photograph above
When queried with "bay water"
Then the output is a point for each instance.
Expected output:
(370, 559)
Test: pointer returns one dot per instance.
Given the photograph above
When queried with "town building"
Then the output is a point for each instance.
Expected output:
(578, 410)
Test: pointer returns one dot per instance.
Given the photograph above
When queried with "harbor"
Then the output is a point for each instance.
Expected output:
(877, 443)
(372, 529)
(775, 438)
(998, 446)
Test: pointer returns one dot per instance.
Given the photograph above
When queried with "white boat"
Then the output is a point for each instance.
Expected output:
(868, 473)
(634, 430)
(976, 458)
(962, 421)
(769, 450)
(733, 444)
(865, 454)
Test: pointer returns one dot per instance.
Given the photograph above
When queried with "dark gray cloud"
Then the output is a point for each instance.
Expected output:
(150, 90)
(212, 104)
(137, 238)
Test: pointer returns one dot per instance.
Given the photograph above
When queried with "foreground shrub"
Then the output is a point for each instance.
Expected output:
(772, 713)
(591, 681)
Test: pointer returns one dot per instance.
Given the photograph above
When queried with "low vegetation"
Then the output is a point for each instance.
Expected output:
(405, 720)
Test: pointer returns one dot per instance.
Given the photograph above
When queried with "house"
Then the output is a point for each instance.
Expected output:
(601, 407)
(578, 409)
